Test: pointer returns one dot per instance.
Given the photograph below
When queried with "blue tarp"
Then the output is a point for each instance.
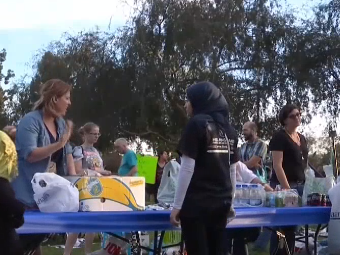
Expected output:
(37, 222)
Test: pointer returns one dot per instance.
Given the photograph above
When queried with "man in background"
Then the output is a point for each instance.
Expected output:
(253, 155)
(128, 166)
(254, 150)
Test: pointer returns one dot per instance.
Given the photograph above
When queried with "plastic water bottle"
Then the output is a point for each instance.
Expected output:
(245, 194)
(238, 195)
(255, 195)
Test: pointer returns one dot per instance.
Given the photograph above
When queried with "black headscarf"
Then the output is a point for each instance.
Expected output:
(206, 98)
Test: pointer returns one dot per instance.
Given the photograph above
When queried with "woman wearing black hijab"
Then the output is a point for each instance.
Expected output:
(204, 190)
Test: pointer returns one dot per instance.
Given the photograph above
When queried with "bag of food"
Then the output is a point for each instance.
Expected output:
(53, 193)
(316, 185)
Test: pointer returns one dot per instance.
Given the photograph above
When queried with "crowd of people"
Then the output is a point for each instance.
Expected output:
(208, 149)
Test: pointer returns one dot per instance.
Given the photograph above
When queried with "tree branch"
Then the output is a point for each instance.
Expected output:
(148, 132)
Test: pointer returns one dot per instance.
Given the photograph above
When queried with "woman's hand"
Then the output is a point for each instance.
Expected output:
(102, 171)
(106, 172)
(174, 217)
(66, 136)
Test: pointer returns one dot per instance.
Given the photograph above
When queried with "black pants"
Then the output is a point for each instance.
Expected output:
(237, 239)
(203, 234)
(152, 189)
(30, 242)
(10, 243)
(288, 231)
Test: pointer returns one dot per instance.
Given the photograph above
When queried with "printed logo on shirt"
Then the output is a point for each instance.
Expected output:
(219, 144)
(93, 160)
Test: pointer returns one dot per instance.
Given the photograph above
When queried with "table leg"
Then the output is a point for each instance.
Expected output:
(127, 241)
(316, 235)
(182, 245)
(307, 239)
(135, 243)
(160, 243)
(155, 243)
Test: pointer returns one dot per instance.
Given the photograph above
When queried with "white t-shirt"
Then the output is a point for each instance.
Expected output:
(243, 174)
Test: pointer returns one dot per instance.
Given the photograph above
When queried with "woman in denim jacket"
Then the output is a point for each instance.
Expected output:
(42, 145)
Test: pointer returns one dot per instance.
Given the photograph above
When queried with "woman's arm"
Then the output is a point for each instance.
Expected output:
(184, 177)
(78, 167)
(41, 153)
(133, 171)
(265, 186)
(279, 171)
(27, 140)
(70, 165)
(78, 156)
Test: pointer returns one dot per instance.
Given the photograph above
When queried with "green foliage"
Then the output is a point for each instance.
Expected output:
(4, 78)
(132, 82)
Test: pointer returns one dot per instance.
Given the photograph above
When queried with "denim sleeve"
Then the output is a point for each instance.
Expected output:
(27, 136)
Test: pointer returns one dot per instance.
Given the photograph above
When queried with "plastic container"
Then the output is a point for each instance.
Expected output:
(255, 196)
(238, 195)
(279, 199)
(270, 199)
(245, 194)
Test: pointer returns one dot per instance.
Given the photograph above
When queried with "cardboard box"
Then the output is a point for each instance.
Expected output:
(112, 193)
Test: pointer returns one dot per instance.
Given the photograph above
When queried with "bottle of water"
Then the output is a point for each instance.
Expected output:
(245, 194)
(255, 195)
(238, 195)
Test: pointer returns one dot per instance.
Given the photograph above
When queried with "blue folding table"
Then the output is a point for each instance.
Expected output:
(83, 222)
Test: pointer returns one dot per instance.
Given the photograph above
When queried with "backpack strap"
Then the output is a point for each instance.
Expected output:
(83, 160)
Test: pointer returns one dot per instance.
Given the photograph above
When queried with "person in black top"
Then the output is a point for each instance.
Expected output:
(290, 153)
(204, 190)
(152, 189)
(11, 210)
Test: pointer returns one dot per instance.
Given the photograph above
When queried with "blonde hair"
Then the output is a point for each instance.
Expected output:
(49, 92)
(87, 128)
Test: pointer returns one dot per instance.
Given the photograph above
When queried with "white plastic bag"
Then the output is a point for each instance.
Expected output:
(167, 187)
(334, 223)
(316, 185)
(53, 193)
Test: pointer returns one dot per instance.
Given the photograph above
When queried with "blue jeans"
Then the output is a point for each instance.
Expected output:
(288, 231)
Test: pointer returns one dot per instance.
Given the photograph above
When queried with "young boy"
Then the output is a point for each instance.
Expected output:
(11, 210)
